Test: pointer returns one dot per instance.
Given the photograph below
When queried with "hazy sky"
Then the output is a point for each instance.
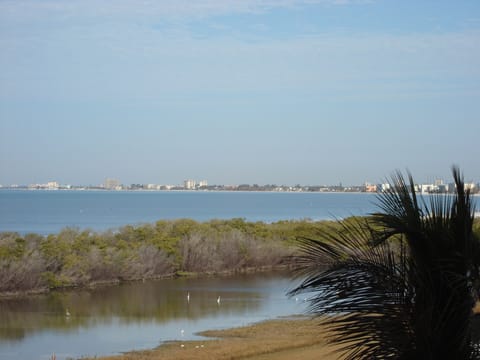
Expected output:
(247, 91)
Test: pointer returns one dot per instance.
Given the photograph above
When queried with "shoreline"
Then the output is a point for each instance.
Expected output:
(477, 194)
(276, 339)
(115, 282)
(190, 191)
(293, 337)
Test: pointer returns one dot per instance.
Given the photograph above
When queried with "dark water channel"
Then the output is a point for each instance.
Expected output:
(114, 319)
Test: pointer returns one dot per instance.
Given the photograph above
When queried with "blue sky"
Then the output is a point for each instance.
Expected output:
(253, 91)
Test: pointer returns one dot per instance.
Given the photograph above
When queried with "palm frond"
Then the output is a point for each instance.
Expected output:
(397, 285)
(360, 293)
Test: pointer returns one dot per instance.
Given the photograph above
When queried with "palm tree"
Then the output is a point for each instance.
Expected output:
(400, 283)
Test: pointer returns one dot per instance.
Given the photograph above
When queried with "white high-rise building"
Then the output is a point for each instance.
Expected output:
(189, 184)
(52, 185)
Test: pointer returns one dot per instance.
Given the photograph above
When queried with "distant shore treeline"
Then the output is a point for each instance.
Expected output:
(73, 257)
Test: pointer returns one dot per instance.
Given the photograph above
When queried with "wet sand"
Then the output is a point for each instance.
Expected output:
(298, 338)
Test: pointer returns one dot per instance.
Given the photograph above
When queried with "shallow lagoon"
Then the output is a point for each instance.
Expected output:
(114, 319)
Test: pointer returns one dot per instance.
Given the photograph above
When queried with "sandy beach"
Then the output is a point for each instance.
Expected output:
(292, 338)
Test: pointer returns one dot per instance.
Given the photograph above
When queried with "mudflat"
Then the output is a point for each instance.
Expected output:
(292, 338)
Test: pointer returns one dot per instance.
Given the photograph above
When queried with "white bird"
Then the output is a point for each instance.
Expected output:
(218, 300)
(188, 297)
(182, 332)
(67, 313)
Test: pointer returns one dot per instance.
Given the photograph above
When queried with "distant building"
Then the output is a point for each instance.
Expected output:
(370, 187)
(443, 188)
(111, 184)
(426, 188)
(383, 187)
(470, 186)
(52, 185)
(203, 183)
(189, 184)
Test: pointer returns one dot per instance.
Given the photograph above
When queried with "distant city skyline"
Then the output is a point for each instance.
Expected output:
(238, 92)
(113, 183)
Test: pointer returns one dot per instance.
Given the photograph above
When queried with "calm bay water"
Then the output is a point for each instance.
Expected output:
(46, 212)
(114, 319)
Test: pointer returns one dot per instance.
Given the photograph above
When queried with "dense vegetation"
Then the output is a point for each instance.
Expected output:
(76, 257)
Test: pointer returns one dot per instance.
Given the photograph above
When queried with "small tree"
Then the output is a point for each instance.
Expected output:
(400, 283)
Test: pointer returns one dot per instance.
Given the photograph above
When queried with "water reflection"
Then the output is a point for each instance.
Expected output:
(137, 315)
